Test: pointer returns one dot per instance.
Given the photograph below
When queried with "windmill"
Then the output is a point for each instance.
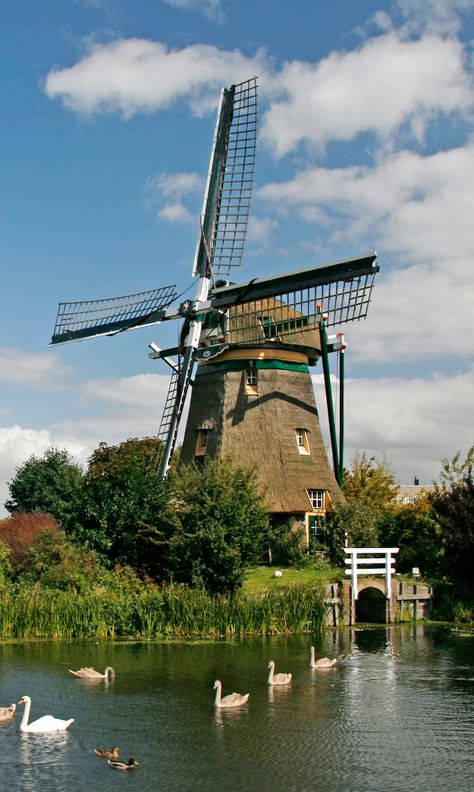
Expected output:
(244, 347)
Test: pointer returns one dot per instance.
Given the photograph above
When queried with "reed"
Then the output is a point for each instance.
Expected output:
(174, 611)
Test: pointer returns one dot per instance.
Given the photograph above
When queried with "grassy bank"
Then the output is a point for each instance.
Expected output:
(261, 579)
(175, 611)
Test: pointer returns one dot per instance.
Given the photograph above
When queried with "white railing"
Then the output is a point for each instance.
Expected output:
(379, 563)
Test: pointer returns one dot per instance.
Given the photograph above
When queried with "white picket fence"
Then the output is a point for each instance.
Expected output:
(370, 561)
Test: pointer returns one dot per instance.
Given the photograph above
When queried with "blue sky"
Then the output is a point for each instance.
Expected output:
(365, 142)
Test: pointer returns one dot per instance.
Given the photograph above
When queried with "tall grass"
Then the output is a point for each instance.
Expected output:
(174, 611)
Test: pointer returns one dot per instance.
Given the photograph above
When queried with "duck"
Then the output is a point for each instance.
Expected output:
(323, 663)
(7, 712)
(231, 700)
(277, 679)
(124, 765)
(90, 673)
(113, 753)
(45, 724)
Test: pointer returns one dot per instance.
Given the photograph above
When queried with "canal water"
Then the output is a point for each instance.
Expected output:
(397, 713)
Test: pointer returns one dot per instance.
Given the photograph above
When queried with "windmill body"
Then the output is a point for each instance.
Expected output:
(246, 348)
(257, 405)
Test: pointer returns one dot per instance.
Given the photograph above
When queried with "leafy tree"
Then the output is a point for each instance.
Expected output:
(220, 518)
(455, 510)
(20, 530)
(370, 482)
(5, 564)
(286, 543)
(121, 501)
(455, 471)
(351, 525)
(414, 528)
(48, 484)
(54, 561)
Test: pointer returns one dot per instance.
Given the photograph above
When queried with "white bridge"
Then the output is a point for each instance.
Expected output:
(370, 561)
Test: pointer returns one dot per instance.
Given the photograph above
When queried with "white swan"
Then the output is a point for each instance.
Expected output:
(231, 700)
(323, 662)
(90, 673)
(277, 679)
(45, 724)
(7, 712)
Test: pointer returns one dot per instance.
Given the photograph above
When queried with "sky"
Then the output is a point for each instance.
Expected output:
(366, 122)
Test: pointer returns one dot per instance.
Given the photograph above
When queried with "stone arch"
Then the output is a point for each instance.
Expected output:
(371, 605)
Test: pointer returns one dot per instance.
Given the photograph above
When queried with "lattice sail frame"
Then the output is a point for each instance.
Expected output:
(228, 193)
(339, 292)
(92, 318)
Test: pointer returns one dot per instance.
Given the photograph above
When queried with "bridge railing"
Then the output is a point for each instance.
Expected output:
(370, 561)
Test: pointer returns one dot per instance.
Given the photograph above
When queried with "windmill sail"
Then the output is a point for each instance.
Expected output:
(223, 227)
(280, 306)
(91, 318)
(229, 185)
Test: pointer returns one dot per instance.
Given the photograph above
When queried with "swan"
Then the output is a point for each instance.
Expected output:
(231, 700)
(90, 673)
(323, 662)
(45, 724)
(277, 679)
(113, 753)
(124, 765)
(7, 712)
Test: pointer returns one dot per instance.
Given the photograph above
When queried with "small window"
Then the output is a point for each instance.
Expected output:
(201, 441)
(251, 382)
(302, 441)
(250, 377)
(316, 498)
(316, 528)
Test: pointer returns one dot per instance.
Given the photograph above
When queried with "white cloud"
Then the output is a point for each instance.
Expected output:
(261, 230)
(137, 75)
(421, 421)
(176, 213)
(174, 185)
(385, 84)
(144, 391)
(41, 369)
(422, 207)
(419, 209)
(434, 16)
(210, 8)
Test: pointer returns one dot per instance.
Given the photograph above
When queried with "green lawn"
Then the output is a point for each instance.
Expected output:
(259, 579)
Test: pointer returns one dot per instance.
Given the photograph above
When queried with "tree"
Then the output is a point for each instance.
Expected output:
(351, 525)
(220, 519)
(49, 484)
(370, 482)
(454, 472)
(20, 530)
(455, 511)
(414, 528)
(121, 499)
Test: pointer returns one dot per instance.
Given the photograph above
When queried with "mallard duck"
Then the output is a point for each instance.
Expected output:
(45, 724)
(277, 679)
(124, 765)
(323, 663)
(7, 712)
(90, 673)
(114, 752)
(231, 700)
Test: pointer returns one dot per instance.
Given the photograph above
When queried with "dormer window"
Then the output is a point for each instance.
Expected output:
(316, 498)
(302, 441)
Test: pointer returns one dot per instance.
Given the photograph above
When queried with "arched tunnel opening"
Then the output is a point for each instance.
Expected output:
(371, 606)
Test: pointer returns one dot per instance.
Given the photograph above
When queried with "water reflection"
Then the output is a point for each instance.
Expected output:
(396, 713)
